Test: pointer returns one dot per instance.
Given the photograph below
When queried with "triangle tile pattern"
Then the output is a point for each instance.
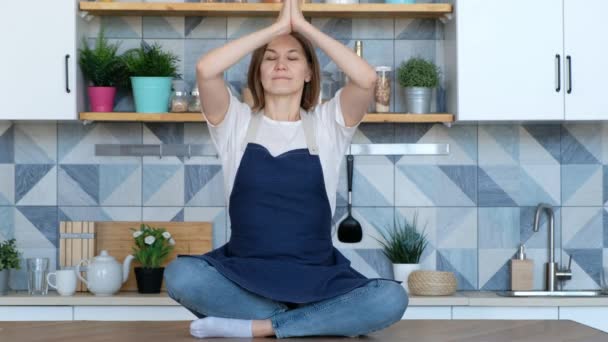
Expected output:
(7, 149)
(339, 28)
(465, 176)
(589, 235)
(27, 176)
(155, 176)
(190, 24)
(197, 176)
(605, 183)
(411, 133)
(605, 224)
(376, 260)
(172, 133)
(436, 185)
(574, 177)
(531, 192)
(117, 27)
(491, 194)
(179, 217)
(507, 138)
(573, 152)
(111, 177)
(44, 219)
(86, 177)
(365, 193)
(590, 260)
(418, 29)
(7, 225)
(160, 27)
(70, 135)
(34, 144)
(445, 259)
(500, 279)
(548, 136)
(465, 137)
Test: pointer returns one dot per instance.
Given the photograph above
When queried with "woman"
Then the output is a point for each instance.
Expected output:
(279, 274)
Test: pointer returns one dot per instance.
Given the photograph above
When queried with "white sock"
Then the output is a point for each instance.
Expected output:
(220, 327)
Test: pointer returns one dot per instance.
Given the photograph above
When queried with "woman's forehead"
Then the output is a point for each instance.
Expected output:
(285, 43)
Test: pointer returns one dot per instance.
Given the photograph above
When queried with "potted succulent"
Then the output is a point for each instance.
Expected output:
(418, 77)
(152, 247)
(105, 71)
(9, 259)
(151, 71)
(403, 245)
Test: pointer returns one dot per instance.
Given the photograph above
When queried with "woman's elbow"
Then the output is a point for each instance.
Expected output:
(370, 81)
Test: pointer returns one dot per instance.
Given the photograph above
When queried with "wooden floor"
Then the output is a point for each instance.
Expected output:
(403, 331)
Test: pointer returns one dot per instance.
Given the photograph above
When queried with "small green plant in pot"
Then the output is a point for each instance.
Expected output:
(104, 69)
(152, 248)
(403, 245)
(151, 70)
(418, 77)
(9, 259)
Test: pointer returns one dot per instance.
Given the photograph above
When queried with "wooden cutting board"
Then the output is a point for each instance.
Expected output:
(117, 239)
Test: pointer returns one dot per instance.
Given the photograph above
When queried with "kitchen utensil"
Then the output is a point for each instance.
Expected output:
(37, 269)
(349, 230)
(105, 275)
(65, 281)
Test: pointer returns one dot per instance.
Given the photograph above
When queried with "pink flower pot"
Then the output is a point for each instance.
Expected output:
(102, 99)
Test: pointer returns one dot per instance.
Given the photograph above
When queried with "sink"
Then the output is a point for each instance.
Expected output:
(584, 293)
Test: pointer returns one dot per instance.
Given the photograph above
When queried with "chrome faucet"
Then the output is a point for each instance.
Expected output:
(553, 273)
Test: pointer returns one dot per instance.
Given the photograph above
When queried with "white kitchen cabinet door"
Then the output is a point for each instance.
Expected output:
(35, 313)
(505, 312)
(132, 313)
(428, 312)
(595, 317)
(38, 62)
(586, 52)
(502, 58)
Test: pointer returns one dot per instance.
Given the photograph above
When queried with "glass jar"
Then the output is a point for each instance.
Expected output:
(179, 102)
(383, 89)
(195, 101)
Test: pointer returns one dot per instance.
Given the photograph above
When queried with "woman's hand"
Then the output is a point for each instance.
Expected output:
(284, 19)
(297, 18)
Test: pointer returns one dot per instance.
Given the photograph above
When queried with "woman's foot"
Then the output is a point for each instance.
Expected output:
(230, 327)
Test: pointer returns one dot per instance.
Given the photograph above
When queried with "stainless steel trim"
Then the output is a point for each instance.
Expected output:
(197, 150)
(574, 293)
(77, 235)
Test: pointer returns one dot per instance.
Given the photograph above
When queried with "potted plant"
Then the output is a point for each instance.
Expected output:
(152, 247)
(105, 71)
(418, 77)
(403, 245)
(151, 70)
(9, 259)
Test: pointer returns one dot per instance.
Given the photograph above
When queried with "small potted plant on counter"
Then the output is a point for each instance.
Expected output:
(104, 69)
(403, 245)
(9, 259)
(152, 247)
(418, 77)
(151, 71)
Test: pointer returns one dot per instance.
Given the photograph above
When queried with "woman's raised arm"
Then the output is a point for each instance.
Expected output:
(211, 66)
(359, 91)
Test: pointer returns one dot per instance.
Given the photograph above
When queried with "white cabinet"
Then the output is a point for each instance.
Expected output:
(595, 317)
(35, 313)
(132, 313)
(511, 60)
(505, 312)
(38, 63)
(428, 312)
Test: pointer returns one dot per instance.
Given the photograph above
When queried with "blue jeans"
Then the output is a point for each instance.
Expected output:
(200, 288)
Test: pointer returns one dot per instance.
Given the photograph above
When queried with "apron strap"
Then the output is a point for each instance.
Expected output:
(309, 132)
(252, 129)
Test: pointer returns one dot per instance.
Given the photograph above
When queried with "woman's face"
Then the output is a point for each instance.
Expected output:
(284, 68)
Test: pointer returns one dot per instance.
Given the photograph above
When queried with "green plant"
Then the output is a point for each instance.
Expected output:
(403, 244)
(102, 65)
(151, 61)
(418, 72)
(152, 245)
(9, 256)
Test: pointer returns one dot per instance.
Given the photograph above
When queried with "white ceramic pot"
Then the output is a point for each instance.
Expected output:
(402, 271)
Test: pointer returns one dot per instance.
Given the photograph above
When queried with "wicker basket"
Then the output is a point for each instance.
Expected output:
(432, 283)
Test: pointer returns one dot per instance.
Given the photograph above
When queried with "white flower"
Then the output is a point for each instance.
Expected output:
(137, 233)
(149, 240)
(166, 235)
(172, 242)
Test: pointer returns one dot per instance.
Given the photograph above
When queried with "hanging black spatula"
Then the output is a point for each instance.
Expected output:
(349, 230)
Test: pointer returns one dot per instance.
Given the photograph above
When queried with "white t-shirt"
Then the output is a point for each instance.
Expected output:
(333, 139)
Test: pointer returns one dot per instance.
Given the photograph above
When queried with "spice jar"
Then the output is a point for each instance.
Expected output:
(195, 101)
(383, 89)
(179, 101)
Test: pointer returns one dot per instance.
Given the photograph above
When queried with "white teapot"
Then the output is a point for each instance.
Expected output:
(105, 275)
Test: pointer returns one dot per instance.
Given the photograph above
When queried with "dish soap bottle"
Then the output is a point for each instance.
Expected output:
(522, 271)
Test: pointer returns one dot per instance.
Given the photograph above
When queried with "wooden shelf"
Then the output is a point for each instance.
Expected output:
(435, 11)
(198, 117)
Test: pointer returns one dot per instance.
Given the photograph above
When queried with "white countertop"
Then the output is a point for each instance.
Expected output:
(466, 298)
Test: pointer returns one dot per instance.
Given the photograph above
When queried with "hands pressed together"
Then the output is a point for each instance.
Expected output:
(291, 18)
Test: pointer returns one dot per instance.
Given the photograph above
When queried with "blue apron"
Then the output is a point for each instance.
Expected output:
(280, 246)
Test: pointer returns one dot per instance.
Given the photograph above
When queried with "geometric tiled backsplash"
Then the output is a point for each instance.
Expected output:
(478, 201)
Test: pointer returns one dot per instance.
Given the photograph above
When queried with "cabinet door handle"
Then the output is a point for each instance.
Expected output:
(67, 74)
(558, 74)
(569, 74)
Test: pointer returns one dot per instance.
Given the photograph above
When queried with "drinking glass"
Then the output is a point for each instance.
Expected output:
(37, 269)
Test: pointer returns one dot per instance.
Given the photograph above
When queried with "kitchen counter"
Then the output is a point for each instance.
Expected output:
(466, 298)
(403, 331)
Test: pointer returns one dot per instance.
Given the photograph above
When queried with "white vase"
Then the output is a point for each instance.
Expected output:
(402, 271)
